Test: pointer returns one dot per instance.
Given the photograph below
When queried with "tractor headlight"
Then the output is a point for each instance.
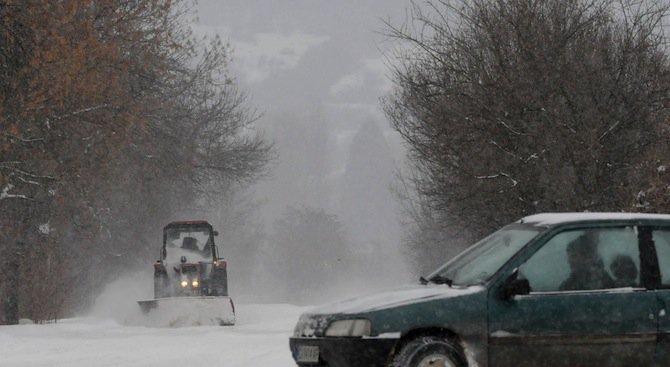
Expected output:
(184, 283)
(358, 327)
(195, 283)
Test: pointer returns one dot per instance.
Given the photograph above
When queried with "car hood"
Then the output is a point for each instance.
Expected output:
(394, 298)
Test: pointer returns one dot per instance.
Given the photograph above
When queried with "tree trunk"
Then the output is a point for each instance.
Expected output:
(11, 301)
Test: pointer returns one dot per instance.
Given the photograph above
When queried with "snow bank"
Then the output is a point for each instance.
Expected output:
(260, 337)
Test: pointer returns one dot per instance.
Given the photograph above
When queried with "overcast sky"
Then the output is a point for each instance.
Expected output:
(292, 53)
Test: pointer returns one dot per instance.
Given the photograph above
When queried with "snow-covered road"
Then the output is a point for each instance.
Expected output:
(260, 337)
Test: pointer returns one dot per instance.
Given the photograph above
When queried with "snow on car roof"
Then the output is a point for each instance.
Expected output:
(548, 219)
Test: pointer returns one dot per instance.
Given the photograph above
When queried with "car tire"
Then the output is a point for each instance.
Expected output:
(429, 351)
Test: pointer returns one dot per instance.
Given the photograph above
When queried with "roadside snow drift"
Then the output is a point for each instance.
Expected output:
(260, 337)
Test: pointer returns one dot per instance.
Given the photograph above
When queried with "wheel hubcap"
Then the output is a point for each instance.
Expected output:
(436, 360)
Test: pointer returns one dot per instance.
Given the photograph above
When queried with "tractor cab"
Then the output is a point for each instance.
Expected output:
(192, 240)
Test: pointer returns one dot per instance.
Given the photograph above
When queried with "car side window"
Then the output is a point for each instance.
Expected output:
(620, 253)
(661, 238)
(585, 259)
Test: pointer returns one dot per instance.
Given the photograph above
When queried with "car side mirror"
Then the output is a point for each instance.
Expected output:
(514, 287)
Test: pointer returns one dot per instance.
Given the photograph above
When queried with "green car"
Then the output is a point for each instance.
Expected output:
(564, 289)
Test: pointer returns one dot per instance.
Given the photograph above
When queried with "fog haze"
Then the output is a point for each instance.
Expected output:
(316, 71)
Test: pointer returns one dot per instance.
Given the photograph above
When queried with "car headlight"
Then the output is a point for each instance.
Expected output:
(358, 327)
(195, 283)
(184, 283)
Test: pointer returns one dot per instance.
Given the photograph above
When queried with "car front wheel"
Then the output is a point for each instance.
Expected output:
(429, 351)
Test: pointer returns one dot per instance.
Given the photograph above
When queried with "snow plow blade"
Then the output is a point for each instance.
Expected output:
(189, 311)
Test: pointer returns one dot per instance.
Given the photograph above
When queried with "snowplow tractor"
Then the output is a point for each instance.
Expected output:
(190, 279)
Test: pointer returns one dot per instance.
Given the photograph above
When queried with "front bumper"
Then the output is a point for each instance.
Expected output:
(346, 352)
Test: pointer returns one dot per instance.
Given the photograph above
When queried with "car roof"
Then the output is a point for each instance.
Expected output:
(553, 219)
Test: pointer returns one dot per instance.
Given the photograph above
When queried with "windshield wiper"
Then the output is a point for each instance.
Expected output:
(437, 279)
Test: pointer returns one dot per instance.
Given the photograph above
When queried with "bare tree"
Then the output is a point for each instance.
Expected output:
(512, 107)
(113, 116)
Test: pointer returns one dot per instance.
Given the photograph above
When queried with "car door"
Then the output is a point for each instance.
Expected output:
(660, 242)
(577, 318)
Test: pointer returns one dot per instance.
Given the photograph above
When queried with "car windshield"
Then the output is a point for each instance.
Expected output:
(480, 261)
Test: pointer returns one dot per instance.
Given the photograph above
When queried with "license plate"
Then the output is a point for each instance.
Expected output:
(308, 353)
